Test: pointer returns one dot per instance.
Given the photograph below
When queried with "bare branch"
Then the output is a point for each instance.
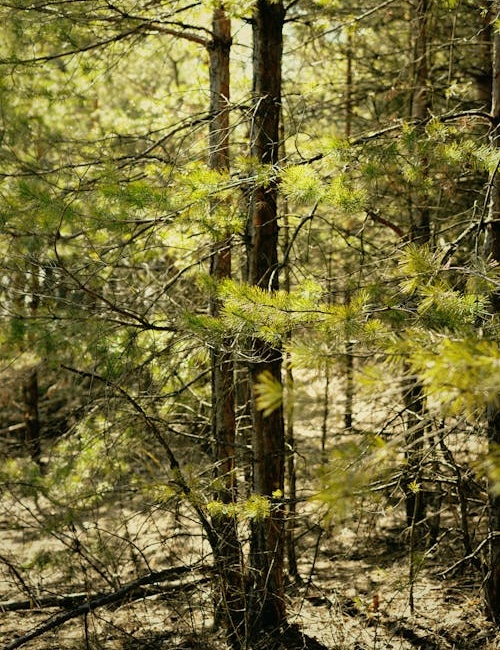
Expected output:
(179, 478)
(77, 50)
(132, 589)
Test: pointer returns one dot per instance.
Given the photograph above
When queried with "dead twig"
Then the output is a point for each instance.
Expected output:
(131, 591)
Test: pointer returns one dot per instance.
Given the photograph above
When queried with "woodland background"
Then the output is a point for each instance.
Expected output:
(249, 298)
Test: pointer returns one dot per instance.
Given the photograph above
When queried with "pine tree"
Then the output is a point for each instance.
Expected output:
(492, 584)
(228, 549)
(266, 604)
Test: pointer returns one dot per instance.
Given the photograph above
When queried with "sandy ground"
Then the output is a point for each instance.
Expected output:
(356, 586)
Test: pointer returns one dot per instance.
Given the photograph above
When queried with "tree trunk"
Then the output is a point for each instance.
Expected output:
(229, 607)
(414, 400)
(492, 582)
(420, 233)
(349, 345)
(31, 419)
(420, 215)
(291, 474)
(266, 605)
(483, 75)
(30, 383)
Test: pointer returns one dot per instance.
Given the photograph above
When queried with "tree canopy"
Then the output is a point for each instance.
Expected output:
(249, 287)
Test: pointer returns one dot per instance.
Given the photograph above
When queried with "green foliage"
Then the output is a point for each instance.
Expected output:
(141, 196)
(86, 472)
(257, 507)
(342, 194)
(302, 184)
(438, 304)
(487, 157)
(442, 307)
(418, 266)
(269, 393)
(109, 216)
(219, 510)
(251, 310)
(273, 316)
(204, 198)
(17, 331)
(460, 374)
(438, 333)
(159, 492)
(24, 478)
(351, 467)
(242, 9)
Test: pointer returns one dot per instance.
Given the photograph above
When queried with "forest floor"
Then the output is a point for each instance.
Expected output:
(354, 595)
(359, 587)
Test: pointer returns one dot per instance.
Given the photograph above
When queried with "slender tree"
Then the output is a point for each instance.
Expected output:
(266, 605)
(227, 550)
(492, 583)
(414, 394)
(31, 393)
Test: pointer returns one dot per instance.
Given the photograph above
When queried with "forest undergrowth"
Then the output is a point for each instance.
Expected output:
(134, 574)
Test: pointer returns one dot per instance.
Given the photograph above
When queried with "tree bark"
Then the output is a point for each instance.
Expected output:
(420, 217)
(266, 604)
(483, 75)
(229, 606)
(291, 473)
(31, 417)
(492, 582)
(420, 233)
(30, 383)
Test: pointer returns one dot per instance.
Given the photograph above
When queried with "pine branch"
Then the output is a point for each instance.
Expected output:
(77, 50)
(135, 319)
(180, 33)
(472, 557)
(179, 478)
(177, 30)
(289, 247)
(19, 578)
(385, 222)
(398, 125)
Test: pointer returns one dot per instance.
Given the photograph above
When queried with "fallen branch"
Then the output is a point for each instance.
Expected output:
(133, 590)
(77, 599)
(472, 557)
